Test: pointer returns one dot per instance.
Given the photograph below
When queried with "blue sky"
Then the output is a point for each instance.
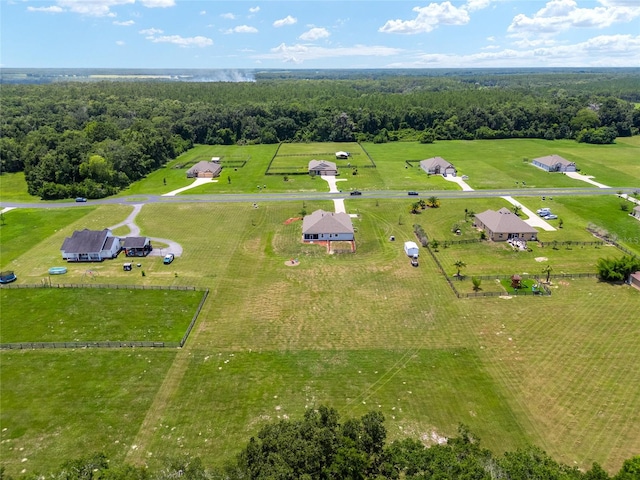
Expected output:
(319, 34)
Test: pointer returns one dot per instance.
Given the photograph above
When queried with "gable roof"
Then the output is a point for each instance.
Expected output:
(551, 160)
(134, 242)
(327, 222)
(636, 208)
(86, 241)
(204, 166)
(433, 162)
(504, 221)
(322, 165)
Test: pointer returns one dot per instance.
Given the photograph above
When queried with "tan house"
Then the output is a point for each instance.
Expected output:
(504, 225)
(204, 169)
(634, 280)
(636, 211)
(554, 163)
(322, 167)
(438, 166)
(327, 226)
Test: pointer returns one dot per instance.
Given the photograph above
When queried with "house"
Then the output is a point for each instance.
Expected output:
(137, 246)
(504, 225)
(554, 163)
(438, 166)
(636, 211)
(204, 169)
(322, 167)
(634, 280)
(327, 226)
(90, 246)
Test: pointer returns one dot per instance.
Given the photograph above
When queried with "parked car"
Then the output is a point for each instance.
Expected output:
(551, 216)
(543, 211)
(7, 277)
(81, 199)
(412, 193)
(168, 258)
(356, 192)
(414, 261)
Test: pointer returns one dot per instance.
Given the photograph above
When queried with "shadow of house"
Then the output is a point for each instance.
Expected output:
(204, 169)
(504, 225)
(90, 246)
(554, 163)
(137, 246)
(438, 166)
(322, 167)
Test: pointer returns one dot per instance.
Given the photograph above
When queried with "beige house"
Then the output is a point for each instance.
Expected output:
(322, 167)
(554, 163)
(327, 226)
(438, 166)
(636, 211)
(634, 280)
(504, 225)
(204, 169)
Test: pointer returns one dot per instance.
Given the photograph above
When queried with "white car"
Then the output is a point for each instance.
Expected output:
(551, 216)
(543, 211)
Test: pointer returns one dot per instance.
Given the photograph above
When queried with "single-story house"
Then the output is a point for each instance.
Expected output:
(90, 246)
(634, 280)
(503, 225)
(322, 167)
(204, 169)
(554, 163)
(137, 246)
(327, 226)
(438, 166)
(636, 211)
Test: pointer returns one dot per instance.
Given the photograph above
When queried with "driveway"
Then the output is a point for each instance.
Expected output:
(585, 178)
(338, 203)
(463, 185)
(534, 220)
(197, 182)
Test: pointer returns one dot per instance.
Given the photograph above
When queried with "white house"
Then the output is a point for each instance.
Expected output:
(554, 163)
(322, 167)
(90, 246)
(438, 166)
(327, 226)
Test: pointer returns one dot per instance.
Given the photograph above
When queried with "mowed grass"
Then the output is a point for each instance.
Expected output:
(75, 315)
(13, 188)
(61, 404)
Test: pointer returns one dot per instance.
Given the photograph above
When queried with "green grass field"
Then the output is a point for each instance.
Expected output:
(358, 332)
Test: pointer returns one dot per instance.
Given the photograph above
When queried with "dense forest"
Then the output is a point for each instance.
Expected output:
(321, 446)
(92, 139)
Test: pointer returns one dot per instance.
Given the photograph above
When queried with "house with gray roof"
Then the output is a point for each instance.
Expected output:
(636, 212)
(90, 246)
(204, 169)
(137, 246)
(554, 163)
(504, 225)
(438, 166)
(322, 167)
(327, 226)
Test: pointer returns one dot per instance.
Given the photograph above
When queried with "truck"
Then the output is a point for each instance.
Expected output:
(411, 249)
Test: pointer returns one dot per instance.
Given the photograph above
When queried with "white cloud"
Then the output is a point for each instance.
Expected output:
(51, 9)
(203, 12)
(151, 31)
(427, 19)
(288, 20)
(197, 41)
(473, 5)
(242, 29)
(97, 8)
(128, 23)
(228, 16)
(560, 15)
(120, 43)
(314, 34)
(158, 3)
(254, 9)
(300, 53)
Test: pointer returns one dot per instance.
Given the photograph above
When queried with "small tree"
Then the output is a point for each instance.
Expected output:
(434, 244)
(624, 206)
(459, 265)
(547, 270)
(229, 179)
(476, 284)
(415, 208)
(516, 210)
(433, 202)
(560, 223)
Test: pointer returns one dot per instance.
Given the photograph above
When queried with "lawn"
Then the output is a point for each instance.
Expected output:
(13, 188)
(85, 315)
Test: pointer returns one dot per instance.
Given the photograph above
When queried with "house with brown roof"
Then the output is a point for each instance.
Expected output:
(90, 246)
(438, 166)
(504, 225)
(204, 169)
(554, 163)
(327, 226)
(322, 167)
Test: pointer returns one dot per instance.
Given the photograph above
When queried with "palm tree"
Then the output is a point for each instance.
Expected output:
(433, 202)
(547, 269)
(415, 207)
(459, 265)
(517, 209)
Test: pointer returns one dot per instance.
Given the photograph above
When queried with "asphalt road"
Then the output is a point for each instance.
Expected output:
(287, 197)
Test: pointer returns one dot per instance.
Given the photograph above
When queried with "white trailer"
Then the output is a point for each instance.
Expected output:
(411, 249)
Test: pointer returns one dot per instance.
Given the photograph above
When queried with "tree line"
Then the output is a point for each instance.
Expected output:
(75, 139)
(320, 446)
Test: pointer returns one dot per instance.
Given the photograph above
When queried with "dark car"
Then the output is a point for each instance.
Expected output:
(7, 277)
(81, 199)
(356, 192)
(412, 193)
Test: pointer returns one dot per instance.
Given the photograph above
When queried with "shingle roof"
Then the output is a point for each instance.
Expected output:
(326, 222)
(504, 221)
(85, 241)
(204, 166)
(134, 242)
(551, 160)
(322, 165)
(430, 163)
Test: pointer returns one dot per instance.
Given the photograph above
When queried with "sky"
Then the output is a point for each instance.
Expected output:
(318, 34)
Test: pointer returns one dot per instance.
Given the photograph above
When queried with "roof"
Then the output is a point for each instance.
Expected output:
(135, 242)
(504, 221)
(86, 241)
(433, 162)
(636, 208)
(322, 165)
(635, 276)
(204, 166)
(327, 222)
(551, 160)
